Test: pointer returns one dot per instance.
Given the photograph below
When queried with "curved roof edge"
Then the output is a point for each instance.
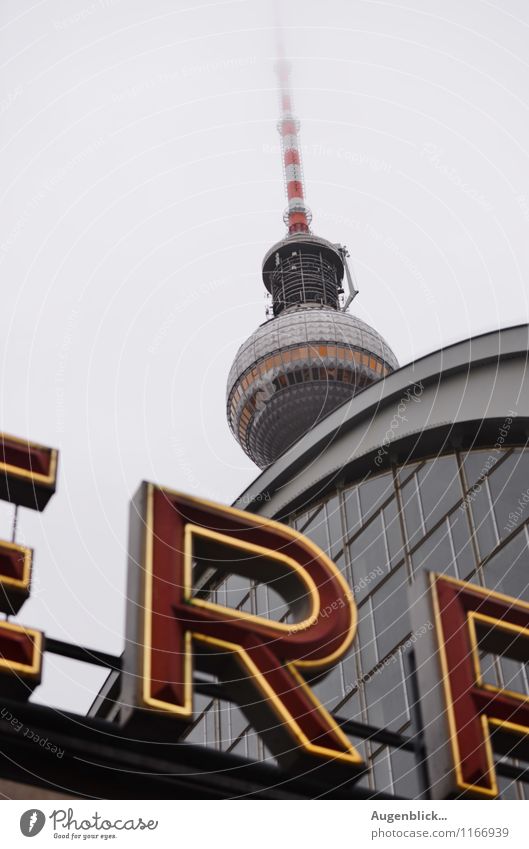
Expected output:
(453, 361)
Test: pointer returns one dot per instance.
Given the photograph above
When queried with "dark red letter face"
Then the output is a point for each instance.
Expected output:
(28, 472)
(20, 648)
(263, 663)
(28, 475)
(471, 620)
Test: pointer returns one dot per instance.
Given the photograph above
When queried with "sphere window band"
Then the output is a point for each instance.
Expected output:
(350, 372)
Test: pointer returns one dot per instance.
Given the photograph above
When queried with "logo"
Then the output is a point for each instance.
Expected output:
(32, 822)
(266, 665)
(67, 822)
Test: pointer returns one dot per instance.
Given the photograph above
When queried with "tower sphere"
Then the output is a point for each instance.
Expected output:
(308, 359)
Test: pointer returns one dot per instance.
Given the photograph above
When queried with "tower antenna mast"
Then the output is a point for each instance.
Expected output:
(297, 215)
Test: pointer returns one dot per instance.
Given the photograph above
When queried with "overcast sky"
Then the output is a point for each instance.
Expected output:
(140, 188)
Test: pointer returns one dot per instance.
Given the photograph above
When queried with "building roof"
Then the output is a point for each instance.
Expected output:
(468, 388)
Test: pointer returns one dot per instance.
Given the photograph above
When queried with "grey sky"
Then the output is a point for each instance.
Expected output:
(140, 188)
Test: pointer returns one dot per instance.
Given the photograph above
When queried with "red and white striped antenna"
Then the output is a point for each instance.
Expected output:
(297, 215)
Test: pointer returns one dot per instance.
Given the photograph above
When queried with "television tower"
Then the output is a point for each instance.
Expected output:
(311, 355)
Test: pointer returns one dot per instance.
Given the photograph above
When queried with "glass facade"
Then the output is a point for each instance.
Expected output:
(465, 514)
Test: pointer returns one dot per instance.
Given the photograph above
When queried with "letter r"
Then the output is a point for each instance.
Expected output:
(178, 544)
